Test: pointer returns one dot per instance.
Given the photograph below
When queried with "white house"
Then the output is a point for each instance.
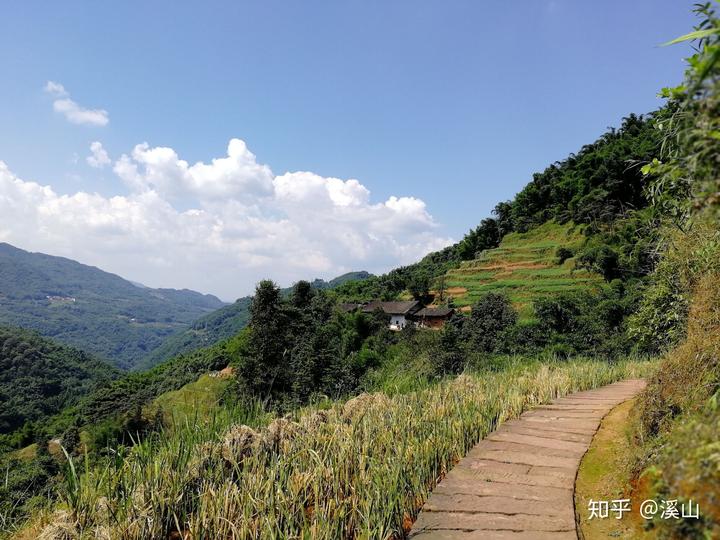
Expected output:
(401, 313)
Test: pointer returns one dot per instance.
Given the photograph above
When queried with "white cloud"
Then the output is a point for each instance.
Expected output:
(245, 224)
(160, 169)
(72, 111)
(98, 157)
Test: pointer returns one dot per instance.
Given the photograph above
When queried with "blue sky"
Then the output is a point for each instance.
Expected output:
(455, 104)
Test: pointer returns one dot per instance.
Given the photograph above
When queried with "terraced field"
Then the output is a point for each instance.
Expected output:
(524, 267)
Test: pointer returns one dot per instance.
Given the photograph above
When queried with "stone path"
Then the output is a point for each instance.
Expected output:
(518, 482)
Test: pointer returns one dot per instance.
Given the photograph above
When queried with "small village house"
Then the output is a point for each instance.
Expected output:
(401, 313)
(429, 317)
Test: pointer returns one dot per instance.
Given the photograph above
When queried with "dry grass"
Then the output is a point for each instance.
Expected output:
(361, 469)
(679, 424)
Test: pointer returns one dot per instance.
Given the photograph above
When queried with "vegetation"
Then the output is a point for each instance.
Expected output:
(39, 378)
(603, 476)
(87, 308)
(358, 469)
(227, 322)
(525, 267)
(206, 331)
(303, 345)
(193, 403)
(678, 423)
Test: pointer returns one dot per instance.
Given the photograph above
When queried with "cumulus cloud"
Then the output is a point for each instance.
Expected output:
(159, 169)
(244, 223)
(72, 111)
(98, 157)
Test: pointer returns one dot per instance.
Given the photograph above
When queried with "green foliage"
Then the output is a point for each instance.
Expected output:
(209, 329)
(389, 286)
(678, 415)
(628, 249)
(597, 185)
(227, 322)
(25, 486)
(419, 286)
(490, 317)
(87, 308)
(688, 164)
(301, 346)
(38, 378)
(562, 254)
(138, 389)
(661, 318)
(679, 419)
(574, 323)
(448, 356)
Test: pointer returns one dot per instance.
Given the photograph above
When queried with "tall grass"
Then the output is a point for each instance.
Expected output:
(359, 469)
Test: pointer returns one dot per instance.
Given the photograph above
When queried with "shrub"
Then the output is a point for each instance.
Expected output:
(491, 315)
(562, 254)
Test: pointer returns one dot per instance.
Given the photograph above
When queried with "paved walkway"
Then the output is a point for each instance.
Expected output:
(518, 482)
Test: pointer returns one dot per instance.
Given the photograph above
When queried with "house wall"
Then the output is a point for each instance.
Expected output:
(398, 321)
(433, 322)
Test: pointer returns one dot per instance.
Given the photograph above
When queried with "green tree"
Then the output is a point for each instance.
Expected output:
(491, 315)
(264, 370)
(448, 356)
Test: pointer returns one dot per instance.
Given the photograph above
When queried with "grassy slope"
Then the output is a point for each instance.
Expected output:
(679, 423)
(524, 267)
(194, 402)
(39, 377)
(600, 477)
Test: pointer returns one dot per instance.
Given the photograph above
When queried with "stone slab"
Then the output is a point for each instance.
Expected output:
(518, 483)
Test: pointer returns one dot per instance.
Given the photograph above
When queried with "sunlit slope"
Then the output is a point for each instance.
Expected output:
(525, 267)
(194, 402)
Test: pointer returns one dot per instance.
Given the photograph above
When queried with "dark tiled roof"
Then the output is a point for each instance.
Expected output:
(392, 308)
(435, 312)
(348, 307)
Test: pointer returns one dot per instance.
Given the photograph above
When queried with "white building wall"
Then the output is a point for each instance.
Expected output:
(397, 322)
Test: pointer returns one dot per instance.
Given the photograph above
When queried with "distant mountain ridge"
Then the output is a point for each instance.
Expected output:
(89, 308)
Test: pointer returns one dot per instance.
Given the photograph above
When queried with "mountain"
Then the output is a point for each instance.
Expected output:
(226, 322)
(97, 311)
(341, 280)
(601, 189)
(207, 330)
(38, 378)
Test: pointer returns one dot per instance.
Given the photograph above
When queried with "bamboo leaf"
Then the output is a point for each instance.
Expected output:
(697, 34)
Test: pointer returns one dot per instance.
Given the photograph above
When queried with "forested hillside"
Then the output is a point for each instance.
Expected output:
(601, 187)
(38, 378)
(94, 310)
